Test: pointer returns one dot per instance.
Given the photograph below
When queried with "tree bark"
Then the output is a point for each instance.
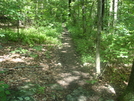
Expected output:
(115, 9)
(98, 37)
(103, 12)
(129, 92)
(69, 5)
(83, 16)
(110, 22)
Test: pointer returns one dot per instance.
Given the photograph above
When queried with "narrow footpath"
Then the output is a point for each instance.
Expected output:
(56, 74)
(77, 80)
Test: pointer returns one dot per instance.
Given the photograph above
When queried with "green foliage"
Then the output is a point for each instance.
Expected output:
(92, 81)
(2, 72)
(84, 45)
(12, 36)
(117, 46)
(4, 91)
(33, 55)
(47, 54)
(25, 92)
(35, 36)
(2, 34)
(87, 58)
(128, 96)
(40, 90)
(76, 94)
(27, 98)
(38, 48)
(20, 50)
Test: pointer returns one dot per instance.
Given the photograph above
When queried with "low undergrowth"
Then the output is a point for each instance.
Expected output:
(35, 38)
(42, 35)
(116, 52)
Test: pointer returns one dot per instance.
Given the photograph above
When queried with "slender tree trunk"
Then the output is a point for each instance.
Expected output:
(106, 12)
(69, 5)
(115, 11)
(110, 22)
(98, 37)
(18, 25)
(91, 16)
(78, 13)
(130, 86)
(83, 16)
(103, 12)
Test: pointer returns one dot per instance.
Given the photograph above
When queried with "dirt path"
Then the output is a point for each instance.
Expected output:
(77, 80)
(44, 73)
(67, 55)
(68, 62)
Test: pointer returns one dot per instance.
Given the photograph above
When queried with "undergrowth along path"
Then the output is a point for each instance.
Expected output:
(55, 74)
(77, 80)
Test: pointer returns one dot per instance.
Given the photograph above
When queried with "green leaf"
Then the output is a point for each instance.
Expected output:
(27, 98)
(7, 92)
(1, 82)
(20, 98)
(2, 71)
(1, 89)
(92, 81)
(6, 86)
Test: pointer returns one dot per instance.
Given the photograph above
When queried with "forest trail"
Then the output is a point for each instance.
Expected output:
(69, 63)
(48, 73)
(76, 79)
(71, 75)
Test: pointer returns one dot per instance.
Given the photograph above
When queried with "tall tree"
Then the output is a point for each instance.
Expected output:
(69, 5)
(84, 16)
(115, 4)
(113, 12)
(115, 9)
(103, 12)
(98, 36)
(110, 22)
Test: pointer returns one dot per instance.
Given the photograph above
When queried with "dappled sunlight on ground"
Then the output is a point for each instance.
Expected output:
(67, 80)
(57, 71)
(15, 58)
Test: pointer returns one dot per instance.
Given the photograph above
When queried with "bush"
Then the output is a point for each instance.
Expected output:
(4, 91)
(42, 35)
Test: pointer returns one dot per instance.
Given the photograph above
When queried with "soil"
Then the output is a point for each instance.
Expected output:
(50, 73)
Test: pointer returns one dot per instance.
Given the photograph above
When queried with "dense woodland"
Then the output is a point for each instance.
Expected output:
(102, 32)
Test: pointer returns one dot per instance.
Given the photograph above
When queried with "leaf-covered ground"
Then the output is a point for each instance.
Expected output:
(50, 73)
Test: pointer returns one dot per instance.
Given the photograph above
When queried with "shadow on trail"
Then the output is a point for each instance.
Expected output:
(59, 78)
(73, 76)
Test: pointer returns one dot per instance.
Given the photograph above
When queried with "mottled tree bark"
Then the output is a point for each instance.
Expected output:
(98, 36)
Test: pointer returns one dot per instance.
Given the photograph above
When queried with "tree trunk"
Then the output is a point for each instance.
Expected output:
(110, 22)
(91, 16)
(69, 7)
(98, 37)
(129, 92)
(83, 16)
(103, 12)
(115, 9)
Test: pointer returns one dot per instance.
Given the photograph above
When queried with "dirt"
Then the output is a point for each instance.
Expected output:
(50, 73)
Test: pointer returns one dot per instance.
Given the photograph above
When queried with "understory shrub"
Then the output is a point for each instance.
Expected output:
(4, 91)
(33, 35)
(84, 44)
